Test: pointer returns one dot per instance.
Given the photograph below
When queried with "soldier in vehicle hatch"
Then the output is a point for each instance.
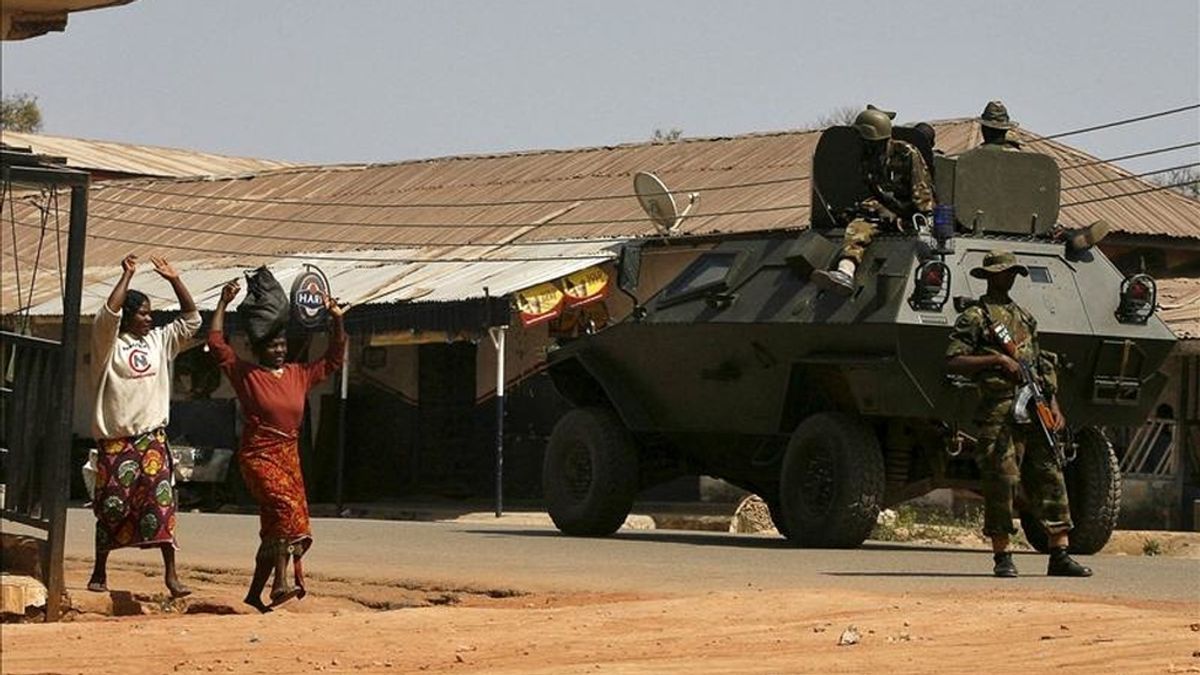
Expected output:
(994, 124)
(995, 342)
(900, 187)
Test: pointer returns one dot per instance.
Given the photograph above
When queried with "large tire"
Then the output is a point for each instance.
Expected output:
(590, 473)
(1094, 491)
(832, 482)
(776, 510)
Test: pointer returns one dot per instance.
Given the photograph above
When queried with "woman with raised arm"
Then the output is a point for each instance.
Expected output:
(272, 395)
(134, 500)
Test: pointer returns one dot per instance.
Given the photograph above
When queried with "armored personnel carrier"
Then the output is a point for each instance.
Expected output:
(832, 407)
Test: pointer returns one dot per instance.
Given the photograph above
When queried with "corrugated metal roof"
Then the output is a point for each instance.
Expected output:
(372, 277)
(138, 160)
(559, 194)
(1179, 300)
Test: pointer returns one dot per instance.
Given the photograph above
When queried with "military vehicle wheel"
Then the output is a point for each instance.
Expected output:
(777, 519)
(1094, 489)
(590, 473)
(832, 482)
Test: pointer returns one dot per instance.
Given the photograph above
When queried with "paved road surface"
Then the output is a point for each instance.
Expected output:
(538, 558)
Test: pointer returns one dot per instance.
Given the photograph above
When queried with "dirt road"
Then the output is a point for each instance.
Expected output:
(350, 626)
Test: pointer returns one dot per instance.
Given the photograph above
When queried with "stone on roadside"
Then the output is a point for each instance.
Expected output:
(19, 592)
(751, 517)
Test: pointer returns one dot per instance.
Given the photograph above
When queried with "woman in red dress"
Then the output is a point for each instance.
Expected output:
(272, 394)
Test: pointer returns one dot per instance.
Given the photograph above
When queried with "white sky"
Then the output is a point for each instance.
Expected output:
(374, 80)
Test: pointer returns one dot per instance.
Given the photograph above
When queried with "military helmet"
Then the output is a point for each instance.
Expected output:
(995, 116)
(873, 125)
(890, 113)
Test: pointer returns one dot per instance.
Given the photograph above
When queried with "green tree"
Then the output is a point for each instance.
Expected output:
(20, 112)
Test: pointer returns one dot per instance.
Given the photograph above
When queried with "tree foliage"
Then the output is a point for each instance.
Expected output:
(1184, 181)
(20, 112)
(666, 136)
(840, 116)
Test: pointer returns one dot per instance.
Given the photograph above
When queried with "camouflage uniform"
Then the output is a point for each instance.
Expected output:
(905, 176)
(1011, 454)
(1001, 144)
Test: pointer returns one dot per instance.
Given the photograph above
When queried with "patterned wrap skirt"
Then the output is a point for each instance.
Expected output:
(270, 464)
(134, 500)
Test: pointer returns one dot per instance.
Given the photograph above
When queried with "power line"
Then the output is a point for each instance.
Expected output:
(1109, 125)
(437, 226)
(1156, 188)
(450, 205)
(1145, 153)
(485, 244)
(289, 202)
(354, 242)
(1177, 167)
(575, 223)
(311, 255)
(596, 257)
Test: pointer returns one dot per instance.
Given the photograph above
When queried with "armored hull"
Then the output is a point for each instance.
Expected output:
(831, 406)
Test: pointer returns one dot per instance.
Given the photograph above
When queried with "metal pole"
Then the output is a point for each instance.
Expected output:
(498, 334)
(341, 445)
(61, 438)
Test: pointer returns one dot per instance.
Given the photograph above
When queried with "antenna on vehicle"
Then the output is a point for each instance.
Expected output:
(659, 203)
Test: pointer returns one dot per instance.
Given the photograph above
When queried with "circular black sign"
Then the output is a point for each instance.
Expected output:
(308, 297)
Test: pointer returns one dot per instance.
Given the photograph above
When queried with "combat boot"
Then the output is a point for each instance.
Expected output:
(1061, 565)
(1004, 565)
(836, 281)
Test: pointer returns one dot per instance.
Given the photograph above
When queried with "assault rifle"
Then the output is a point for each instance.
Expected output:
(1030, 395)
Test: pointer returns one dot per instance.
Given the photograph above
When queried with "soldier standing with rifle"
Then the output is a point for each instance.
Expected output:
(995, 342)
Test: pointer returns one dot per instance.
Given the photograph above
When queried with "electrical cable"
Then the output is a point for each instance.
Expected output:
(1177, 167)
(1145, 153)
(37, 259)
(1109, 125)
(1063, 167)
(592, 198)
(1156, 188)
(311, 255)
(437, 226)
(452, 205)
(12, 216)
(351, 242)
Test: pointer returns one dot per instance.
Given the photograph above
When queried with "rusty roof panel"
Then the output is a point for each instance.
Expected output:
(137, 160)
(1179, 303)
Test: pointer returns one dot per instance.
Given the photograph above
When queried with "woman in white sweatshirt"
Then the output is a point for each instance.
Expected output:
(135, 500)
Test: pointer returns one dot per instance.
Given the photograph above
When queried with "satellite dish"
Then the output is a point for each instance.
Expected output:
(659, 203)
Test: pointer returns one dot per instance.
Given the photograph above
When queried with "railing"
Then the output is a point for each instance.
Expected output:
(1151, 449)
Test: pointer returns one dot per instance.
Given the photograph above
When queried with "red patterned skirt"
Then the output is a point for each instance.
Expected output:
(134, 501)
(270, 464)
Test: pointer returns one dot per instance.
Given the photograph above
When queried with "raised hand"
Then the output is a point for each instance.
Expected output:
(332, 307)
(129, 264)
(164, 268)
(230, 291)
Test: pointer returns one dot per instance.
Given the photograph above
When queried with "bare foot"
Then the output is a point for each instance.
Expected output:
(97, 585)
(177, 589)
(257, 603)
(282, 595)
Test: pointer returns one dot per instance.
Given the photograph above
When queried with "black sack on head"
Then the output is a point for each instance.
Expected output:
(265, 310)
